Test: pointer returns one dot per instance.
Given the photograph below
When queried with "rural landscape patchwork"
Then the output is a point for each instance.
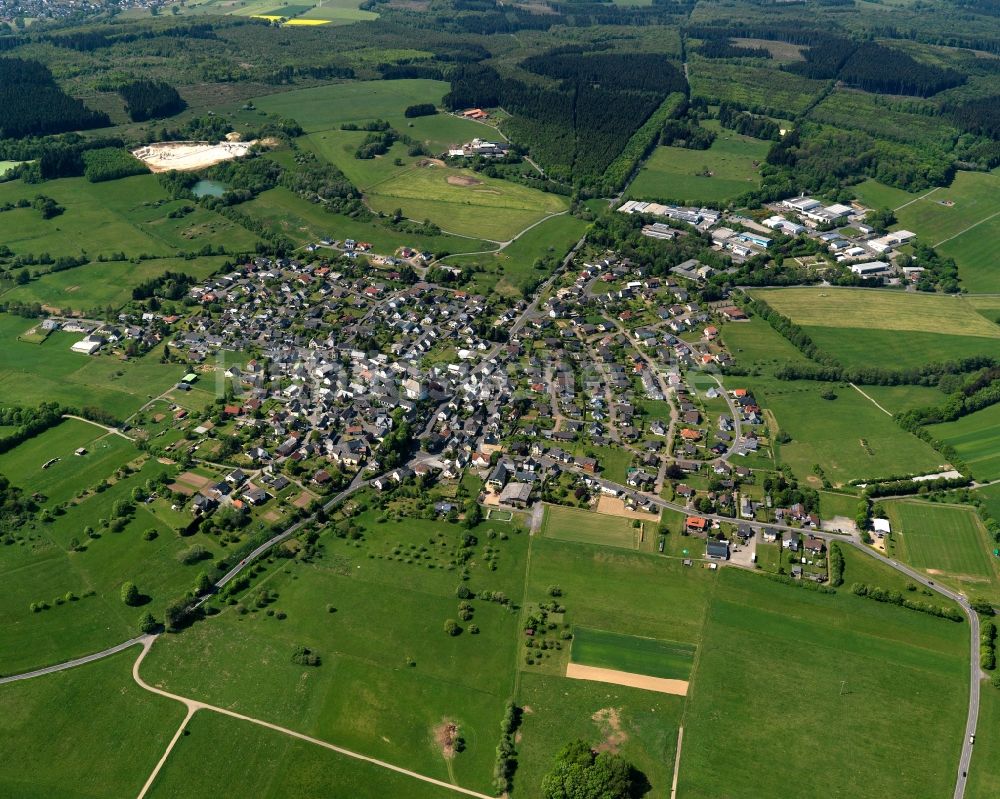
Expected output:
(557, 399)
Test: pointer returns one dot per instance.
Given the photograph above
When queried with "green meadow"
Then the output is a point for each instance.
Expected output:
(754, 343)
(51, 372)
(783, 665)
(99, 284)
(976, 439)
(130, 215)
(847, 436)
(975, 255)
(680, 174)
(383, 647)
(57, 728)
(272, 766)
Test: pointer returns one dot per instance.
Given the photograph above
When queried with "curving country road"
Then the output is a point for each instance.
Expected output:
(69, 664)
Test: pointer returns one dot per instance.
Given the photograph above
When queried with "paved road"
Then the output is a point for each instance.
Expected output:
(69, 664)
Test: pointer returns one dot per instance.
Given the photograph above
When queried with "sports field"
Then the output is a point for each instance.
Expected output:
(587, 527)
(976, 438)
(941, 538)
(848, 436)
(668, 659)
(863, 327)
(679, 174)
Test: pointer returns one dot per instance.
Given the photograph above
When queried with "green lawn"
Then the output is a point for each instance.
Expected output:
(588, 527)
(942, 539)
(676, 173)
(389, 611)
(832, 503)
(779, 664)
(976, 438)
(848, 436)
(272, 765)
(57, 728)
(668, 659)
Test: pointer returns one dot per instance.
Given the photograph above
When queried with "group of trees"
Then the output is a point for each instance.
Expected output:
(581, 773)
(111, 163)
(895, 597)
(150, 99)
(32, 104)
(747, 124)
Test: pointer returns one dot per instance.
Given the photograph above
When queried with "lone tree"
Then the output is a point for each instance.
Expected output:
(147, 624)
(130, 594)
(580, 773)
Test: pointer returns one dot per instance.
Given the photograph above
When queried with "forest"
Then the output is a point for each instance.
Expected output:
(150, 99)
(31, 104)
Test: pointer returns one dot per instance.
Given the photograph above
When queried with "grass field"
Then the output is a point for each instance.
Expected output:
(755, 343)
(480, 207)
(897, 399)
(57, 728)
(587, 527)
(832, 503)
(984, 774)
(942, 539)
(821, 669)
(976, 438)
(848, 437)
(676, 173)
(991, 497)
(99, 284)
(668, 659)
(640, 725)
(976, 259)
(272, 765)
(892, 329)
(338, 12)
(390, 612)
(51, 372)
(130, 215)
(304, 222)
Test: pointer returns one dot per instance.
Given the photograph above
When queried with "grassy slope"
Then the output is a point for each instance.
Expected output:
(82, 734)
(976, 438)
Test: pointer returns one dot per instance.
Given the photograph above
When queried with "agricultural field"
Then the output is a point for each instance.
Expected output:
(897, 399)
(976, 259)
(588, 527)
(991, 498)
(56, 728)
(667, 659)
(945, 213)
(337, 12)
(50, 372)
(383, 645)
(272, 765)
(728, 169)
(984, 776)
(873, 194)
(862, 327)
(944, 540)
(129, 215)
(847, 436)
(976, 439)
(841, 660)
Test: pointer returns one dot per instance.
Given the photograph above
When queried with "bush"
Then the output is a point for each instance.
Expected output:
(420, 110)
(451, 627)
(130, 594)
(304, 656)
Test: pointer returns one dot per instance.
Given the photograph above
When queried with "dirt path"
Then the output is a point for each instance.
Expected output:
(193, 706)
(869, 398)
(664, 686)
(918, 199)
(677, 763)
